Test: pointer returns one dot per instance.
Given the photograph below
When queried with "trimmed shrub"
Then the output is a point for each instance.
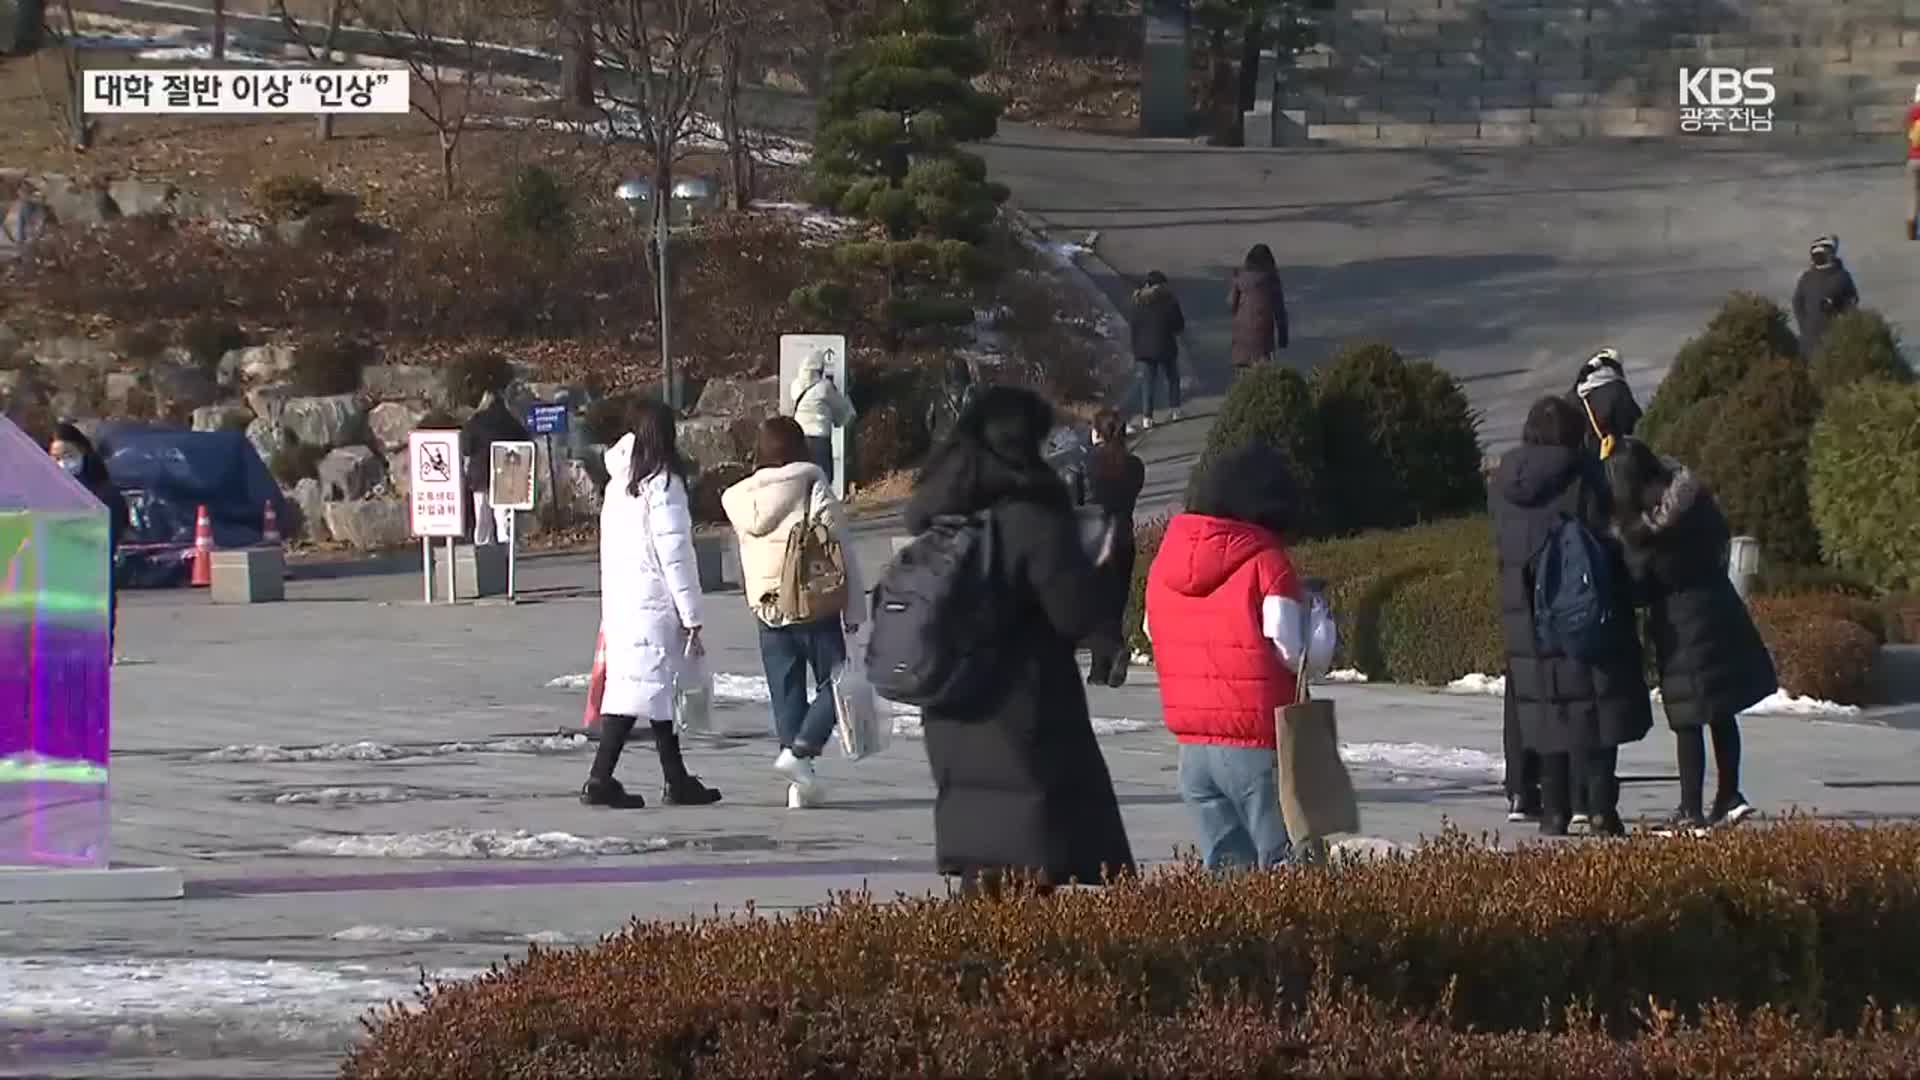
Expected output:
(295, 462)
(1862, 611)
(1858, 344)
(1903, 618)
(537, 208)
(330, 365)
(1435, 628)
(1271, 405)
(1402, 446)
(475, 373)
(1747, 330)
(1817, 653)
(1162, 976)
(1865, 482)
(1756, 459)
(1146, 544)
(1366, 573)
(289, 196)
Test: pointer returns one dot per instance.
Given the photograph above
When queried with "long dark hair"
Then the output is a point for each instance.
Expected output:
(93, 468)
(1554, 421)
(1637, 480)
(1260, 260)
(654, 445)
(1107, 464)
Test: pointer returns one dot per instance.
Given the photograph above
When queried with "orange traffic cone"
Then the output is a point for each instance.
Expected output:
(202, 549)
(270, 526)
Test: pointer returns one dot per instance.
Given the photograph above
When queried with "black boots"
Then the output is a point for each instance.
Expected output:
(683, 788)
(601, 789)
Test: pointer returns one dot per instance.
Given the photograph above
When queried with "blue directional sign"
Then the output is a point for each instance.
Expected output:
(547, 419)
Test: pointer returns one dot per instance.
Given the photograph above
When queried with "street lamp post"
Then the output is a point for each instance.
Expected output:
(638, 192)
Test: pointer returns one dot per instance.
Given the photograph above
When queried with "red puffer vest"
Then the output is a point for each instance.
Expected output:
(1220, 678)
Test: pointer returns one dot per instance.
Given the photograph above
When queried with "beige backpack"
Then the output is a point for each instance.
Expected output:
(813, 576)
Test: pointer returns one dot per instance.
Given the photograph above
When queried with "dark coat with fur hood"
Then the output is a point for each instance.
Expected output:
(1712, 660)
(1021, 782)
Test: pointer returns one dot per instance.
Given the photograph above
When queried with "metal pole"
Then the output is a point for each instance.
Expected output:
(513, 548)
(426, 569)
(453, 588)
(663, 231)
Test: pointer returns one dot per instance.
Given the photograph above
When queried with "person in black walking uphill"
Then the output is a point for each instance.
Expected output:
(1156, 324)
(1115, 476)
(1825, 290)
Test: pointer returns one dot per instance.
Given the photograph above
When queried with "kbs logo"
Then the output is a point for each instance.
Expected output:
(1726, 99)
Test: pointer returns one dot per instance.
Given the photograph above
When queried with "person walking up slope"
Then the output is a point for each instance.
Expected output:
(1156, 323)
(1824, 291)
(1259, 309)
(804, 588)
(1115, 476)
(491, 422)
(1711, 659)
(1913, 166)
(649, 606)
(1567, 706)
(819, 407)
(1232, 630)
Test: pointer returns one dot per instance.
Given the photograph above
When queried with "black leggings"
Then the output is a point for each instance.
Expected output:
(1583, 786)
(1690, 744)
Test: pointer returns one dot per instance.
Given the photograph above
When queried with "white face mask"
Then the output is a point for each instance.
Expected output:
(73, 463)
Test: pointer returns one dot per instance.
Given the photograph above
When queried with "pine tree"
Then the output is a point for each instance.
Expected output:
(887, 150)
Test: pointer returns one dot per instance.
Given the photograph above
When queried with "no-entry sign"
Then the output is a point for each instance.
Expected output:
(439, 483)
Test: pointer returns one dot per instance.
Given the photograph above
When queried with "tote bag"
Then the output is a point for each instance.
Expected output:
(1316, 793)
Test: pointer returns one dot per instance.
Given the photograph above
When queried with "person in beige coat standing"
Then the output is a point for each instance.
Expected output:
(788, 490)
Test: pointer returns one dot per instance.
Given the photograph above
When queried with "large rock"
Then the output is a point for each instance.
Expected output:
(137, 197)
(179, 386)
(256, 364)
(313, 510)
(19, 389)
(580, 489)
(75, 203)
(126, 395)
(756, 399)
(404, 382)
(74, 405)
(329, 421)
(400, 473)
(270, 401)
(10, 343)
(21, 226)
(60, 354)
(193, 206)
(351, 473)
(268, 436)
(368, 525)
(549, 393)
(338, 209)
(229, 416)
(710, 441)
(704, 493)
(391, 422)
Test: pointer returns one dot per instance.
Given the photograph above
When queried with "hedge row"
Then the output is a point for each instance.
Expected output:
(1439, 962)
(1421, 605)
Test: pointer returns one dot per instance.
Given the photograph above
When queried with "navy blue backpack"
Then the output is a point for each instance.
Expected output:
(1573, 593)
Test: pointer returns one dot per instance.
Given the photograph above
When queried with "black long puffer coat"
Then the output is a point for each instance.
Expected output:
(1022, 784)
(1712, 660)
(1564, 705)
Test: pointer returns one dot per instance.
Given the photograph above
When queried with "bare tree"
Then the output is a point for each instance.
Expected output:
(660, 55)
(577, 54)
(444, 43)
(64, 102)
(336, 11)
(219, 31)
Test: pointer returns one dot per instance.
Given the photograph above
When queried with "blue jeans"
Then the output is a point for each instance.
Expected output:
(1234, 794)
(787, 652)
(820, 452)
(1146, 378)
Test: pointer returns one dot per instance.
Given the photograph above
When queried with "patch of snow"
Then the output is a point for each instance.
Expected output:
(1345, 675)
(703, 134)
(908, 725)
(740, 689)
(1423, 759)
(517, 744)
(1364, 848)
(1493, 685)
(810, 218)
(579, 682)
(373, 751)
(403, 934)
(472, 844)
(1143, 659)
(1781, 703)
(341, 796)
(137, 1001)
(550, 937)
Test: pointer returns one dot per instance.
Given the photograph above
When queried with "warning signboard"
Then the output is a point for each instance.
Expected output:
(438, 502)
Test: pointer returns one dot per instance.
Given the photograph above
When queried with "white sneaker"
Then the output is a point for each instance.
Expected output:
(799, 798)
(1146, 423)
(1580, 821)
(1174, 416)
(796, 768)
(796, 799)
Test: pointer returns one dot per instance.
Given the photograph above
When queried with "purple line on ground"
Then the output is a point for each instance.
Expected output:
(512, 877)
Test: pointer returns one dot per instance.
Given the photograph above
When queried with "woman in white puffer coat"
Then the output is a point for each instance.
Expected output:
(649, 606)
(819, 407)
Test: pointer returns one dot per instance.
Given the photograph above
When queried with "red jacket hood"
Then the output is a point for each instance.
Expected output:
(1199, 553)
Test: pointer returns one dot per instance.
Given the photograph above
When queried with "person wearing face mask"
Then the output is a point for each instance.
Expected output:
(75, 453)
(1825, 290)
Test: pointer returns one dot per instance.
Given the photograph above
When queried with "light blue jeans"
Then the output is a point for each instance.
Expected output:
(1234, 795)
